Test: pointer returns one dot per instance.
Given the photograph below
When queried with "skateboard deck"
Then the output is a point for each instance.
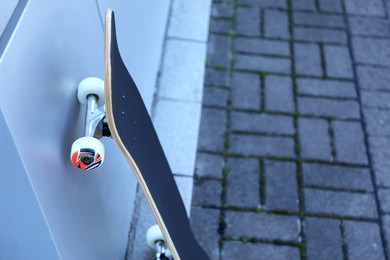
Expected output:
(133, 131)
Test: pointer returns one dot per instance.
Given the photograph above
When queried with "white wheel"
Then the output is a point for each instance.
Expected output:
(87, 153)
(153, 235)
(91, 86)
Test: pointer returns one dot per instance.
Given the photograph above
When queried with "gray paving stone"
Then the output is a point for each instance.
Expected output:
(380, 154)
(369, 26)
(363, 240)
(281, 189)
(207, 192)
(209, 165)
(363, 7)
(262, 145)
(246, 91)
(189, 20)
(323, 239)
(276, 24)
(220, 26)
(387, 6)
(342, 109)
(216, 77)
(307, 59)
(212, 130)
(205, 224)
(248, 21)
(339, 177)
(243, 173)
(279, 94)
(182, 70)
(221, 10)
(386, 228)
(334, 6)
(240, 250)
(373, 78)
(261, 46)
(314, 139)
(349, 142)
(360, 205)
(371, 51)
(307, 5)
(264, 3)
(218, 50)
(377, 121)
(376, 99)
(261, 123)
(262, 226)
(338, 62)
(320, 35)
(326, 88)
(384, 199)
(316, 19)
(215, 97)
(258, 63)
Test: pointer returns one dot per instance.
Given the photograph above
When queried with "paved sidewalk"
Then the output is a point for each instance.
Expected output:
(294, 150)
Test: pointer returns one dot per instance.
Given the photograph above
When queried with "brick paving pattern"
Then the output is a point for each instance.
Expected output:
(294, 147)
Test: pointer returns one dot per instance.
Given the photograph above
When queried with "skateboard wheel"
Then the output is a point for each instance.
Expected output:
(91, 86)
(87, 153)
(153, 235)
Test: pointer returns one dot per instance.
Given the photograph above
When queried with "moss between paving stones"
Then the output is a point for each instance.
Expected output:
(297, 149)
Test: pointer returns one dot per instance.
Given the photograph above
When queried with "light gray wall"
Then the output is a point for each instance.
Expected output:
(46, 50)
(7, 8)
(24, 234)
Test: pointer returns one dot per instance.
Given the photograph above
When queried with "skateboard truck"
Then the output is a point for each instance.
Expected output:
(87, 152)
(156, 240)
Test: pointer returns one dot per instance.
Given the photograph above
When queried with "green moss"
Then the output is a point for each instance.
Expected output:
(219, 68)
(232, 34)
(258, 210)
(244, 239)
(263, 73)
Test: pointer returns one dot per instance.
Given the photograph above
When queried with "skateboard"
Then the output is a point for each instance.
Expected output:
(115, 108)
